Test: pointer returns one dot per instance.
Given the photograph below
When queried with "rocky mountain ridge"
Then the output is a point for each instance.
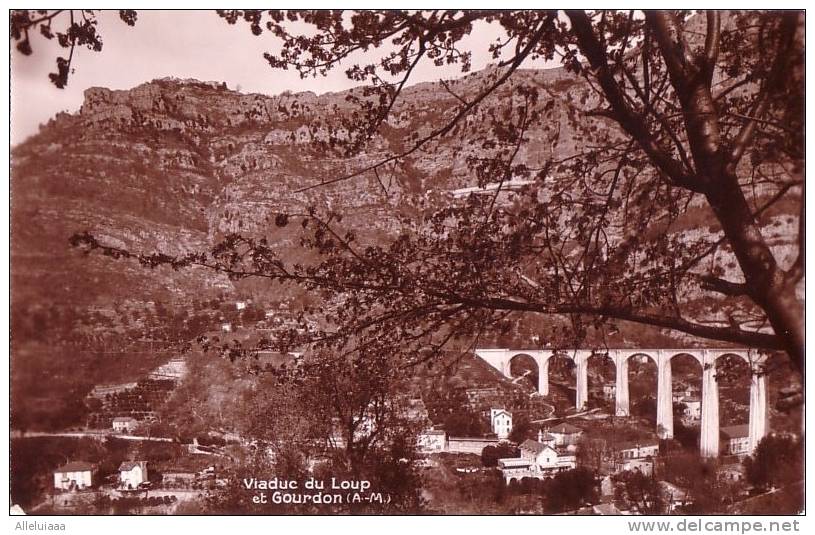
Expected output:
(173, 165)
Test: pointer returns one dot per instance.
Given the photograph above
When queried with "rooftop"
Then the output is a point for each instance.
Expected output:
(736, 431)
(75, 466)
(475, 439)
(514, 462)
(565, 429)
(533, 446)
(127, 466)
(633, 444)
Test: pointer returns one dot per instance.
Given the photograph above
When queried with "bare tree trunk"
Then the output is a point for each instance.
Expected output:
(767, 284)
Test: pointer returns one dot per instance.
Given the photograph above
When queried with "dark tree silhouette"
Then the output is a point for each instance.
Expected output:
(491, 454)
(570, 490)
(776, 461)
(643, 491)
(78, 28)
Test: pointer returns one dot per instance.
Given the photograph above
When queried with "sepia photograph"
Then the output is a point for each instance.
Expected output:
(381, 262)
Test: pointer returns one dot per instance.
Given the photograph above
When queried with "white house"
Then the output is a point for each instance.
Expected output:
(501, 422)
(544, 437)
(74, 475)
(124, 424)
(689, 391)
(637, 450)
(693, 408)
(432, 440)
(565, 434)
(132, 474)
(643, 465)
(470, 444)
(736, 439)
(538, 460)
(731, 472)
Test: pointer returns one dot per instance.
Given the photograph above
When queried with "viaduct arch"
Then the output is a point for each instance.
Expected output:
(709, 442)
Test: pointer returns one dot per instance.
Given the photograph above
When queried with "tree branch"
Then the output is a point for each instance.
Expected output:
(627, 118)
(534, 40)
(724, 334)
(712, 42)
(768, 89)
(722, 286)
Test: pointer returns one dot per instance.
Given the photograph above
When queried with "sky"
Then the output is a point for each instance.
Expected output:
(184, 44)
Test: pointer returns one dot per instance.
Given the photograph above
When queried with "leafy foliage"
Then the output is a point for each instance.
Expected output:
(521, 429)
(491, 454)
(665, 122)
(571, 490)
(643, 491)
(777, 461)
(465, 423)
(79, 31)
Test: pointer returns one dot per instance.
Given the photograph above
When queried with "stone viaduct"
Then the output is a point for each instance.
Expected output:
(709, 443)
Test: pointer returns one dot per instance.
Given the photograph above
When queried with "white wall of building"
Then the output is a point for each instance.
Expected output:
(501, 422)
(134, 477)
(81, 480)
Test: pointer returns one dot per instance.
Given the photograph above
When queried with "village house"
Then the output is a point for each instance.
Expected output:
(124, 424)
(469, 444)
(609, 392)
(736, 439)
(688, 391)
(693, 408)
(637, 449)
(730, 472)
(132, 474)
(413, 410)
(636, 456)
(539, 459)
(501, 422)
(432, 440)
(673, 496)
(566, 434)
(74, 475)
(643, 466)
